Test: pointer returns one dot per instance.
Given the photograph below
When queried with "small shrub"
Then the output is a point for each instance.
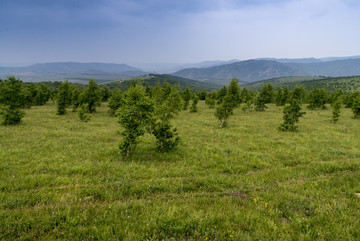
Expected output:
(166, 136)
(336, 109)
(83, 112)
(292, 113)
(356, 108)
(193, 107)
(11, 116)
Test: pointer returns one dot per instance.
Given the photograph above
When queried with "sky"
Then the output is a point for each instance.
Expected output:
(175, 31)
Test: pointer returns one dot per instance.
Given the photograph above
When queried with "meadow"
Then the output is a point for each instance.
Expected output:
(61, 178)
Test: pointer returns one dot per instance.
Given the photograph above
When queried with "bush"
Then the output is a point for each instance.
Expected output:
(336, 110)
(166, 136)
(292, 113)
(11, 116)
(193, 107)
(356, 108)
(12, 98)
(83, 112)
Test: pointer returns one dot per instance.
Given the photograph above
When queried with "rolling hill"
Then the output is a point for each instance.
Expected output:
(152, 80)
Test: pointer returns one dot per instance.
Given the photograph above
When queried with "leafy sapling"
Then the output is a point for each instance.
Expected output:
(292, 113)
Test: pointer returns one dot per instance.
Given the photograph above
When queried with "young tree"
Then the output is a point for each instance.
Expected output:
(84, 112)
(42, 95)
(286, 96)
(105, 93)
(167, 136)
(12, 99)
(279, 97)
(234, 92)
(349, 99)
(195, 101)
(221, 94)
(267, 93)
(115, 102)
(298, 93)
(135, 116)
(317, 99)
(356, 107)
(75, 98)
(291, 116)
(224, 110)
(91, 96)
(336, 109)
(63, 98)
(187, 95)
(260, 102)
(210, 100)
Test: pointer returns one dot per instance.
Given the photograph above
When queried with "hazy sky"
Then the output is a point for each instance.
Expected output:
(176, 31)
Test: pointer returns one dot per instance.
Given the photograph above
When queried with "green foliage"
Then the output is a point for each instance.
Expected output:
(245, 95)
(170, 104)
(224, 110)
(234, 92)
(149, 91)
(83, 112)
(11, 116)
(247, 106)
(75, 98)
(286, 95)
(12, 99)
(42, 95)
(260, 102)
(279, 97)
(356, 108)
(105, 93)
(166, 136)
(298, 93)
(187, 95)
(210, 99)
(158, 93)
(115, 102)
(135, 116)
(193, 107)
(349, 99)
(292, 113)
(63, 98)
(267, 93)
(91, 96)
(317, 99)
(336, 110)
(221, 94)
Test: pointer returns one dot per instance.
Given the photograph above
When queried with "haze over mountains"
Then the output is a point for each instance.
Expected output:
(60, 71)
(259, 69)
(218, 72)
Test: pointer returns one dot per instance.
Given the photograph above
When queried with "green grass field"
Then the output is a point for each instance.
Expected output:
(64, 179)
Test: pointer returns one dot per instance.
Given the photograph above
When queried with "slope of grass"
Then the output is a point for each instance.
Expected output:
(65, 179)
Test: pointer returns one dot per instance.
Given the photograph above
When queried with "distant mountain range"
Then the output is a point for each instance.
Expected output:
(76, 72)
(259, 69)
(215, 72)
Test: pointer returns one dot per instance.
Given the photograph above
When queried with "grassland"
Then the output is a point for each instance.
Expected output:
(65, 179)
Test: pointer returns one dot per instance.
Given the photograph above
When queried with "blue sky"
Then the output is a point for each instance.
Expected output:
(175, 31)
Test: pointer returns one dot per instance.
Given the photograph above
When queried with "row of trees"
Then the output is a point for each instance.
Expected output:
(144, 109)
